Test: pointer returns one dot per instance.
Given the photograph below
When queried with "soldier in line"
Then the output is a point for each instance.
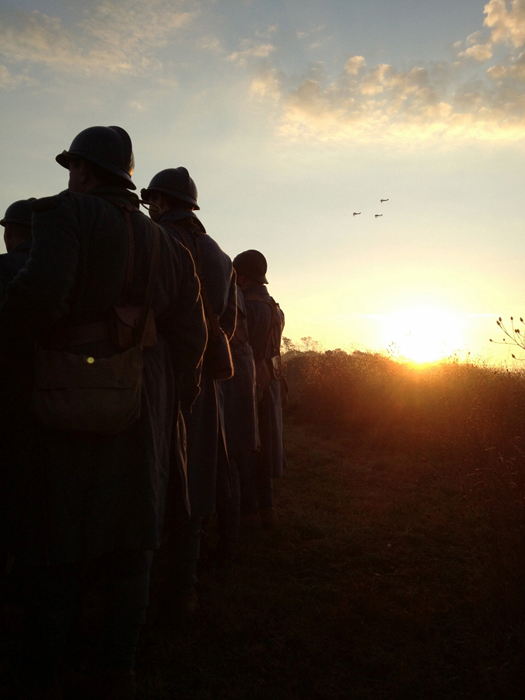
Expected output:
(17, 239)
(89, 499)
(242, 428)
(173, 195)
(15, 418)
(265, 326)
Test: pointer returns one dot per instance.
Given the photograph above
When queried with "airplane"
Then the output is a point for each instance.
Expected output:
(356, 213)
(383, 200)
(376, 215)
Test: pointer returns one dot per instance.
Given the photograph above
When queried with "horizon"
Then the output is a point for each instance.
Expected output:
(291, 117)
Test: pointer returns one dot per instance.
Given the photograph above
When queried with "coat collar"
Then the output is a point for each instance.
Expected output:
(177, 215)
(257, 289)
(117, 193)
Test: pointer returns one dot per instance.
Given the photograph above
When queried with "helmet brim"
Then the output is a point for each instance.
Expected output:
(64, 158)
(145, 193)
(14, 220)
(260, 279)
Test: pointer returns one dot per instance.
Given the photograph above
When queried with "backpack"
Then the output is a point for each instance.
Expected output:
(81, 393)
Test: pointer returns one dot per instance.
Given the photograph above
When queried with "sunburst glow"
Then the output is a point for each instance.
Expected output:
(424, 334)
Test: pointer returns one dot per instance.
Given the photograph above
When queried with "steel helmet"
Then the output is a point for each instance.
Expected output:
(176, 182)
(107, 146)
(18, 213)
(252, 264)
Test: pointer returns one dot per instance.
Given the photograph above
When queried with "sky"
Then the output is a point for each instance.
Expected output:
(291, 115)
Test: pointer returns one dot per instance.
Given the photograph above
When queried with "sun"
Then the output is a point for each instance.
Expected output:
(423, 334)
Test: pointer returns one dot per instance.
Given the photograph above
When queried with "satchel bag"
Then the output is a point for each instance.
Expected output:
(217, 357)
(95, 395)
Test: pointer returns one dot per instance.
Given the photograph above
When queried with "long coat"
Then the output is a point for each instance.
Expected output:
(260, 324)
(240, 402)
(16, 422)
(13, 374)
(206, 440)
(87, 494)
(11, 264)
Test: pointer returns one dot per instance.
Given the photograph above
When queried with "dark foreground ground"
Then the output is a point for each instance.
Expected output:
(378, 585)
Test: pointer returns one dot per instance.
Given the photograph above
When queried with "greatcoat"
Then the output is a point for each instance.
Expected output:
(11, 264)
(87, 494)
(16, 424)
(206, 441)
(260, 317)
(240, 401)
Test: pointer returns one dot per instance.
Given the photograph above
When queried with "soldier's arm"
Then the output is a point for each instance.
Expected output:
(259, 322)
(39, 294)
(184, 326)
(229, 318)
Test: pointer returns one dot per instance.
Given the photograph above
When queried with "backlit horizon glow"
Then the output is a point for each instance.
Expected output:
(424, 334)
(290, 117)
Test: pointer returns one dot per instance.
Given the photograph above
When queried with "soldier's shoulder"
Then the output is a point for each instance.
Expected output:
(258, 298)
(211, 246)
(53, 202)
(44, 204)
(4, 263)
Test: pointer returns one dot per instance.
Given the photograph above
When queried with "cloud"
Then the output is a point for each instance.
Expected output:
(507, 25)
(509, 73)
(250, 49)
(266, 33)
(10, 81)
(137, 106)
(385, 104)
(209, 43)
(445, 100)
(115, 37)
(305, 34)
(473, 38)
(6, 79)
(479, 52)
(36, 38)
(266, 85)
(354, 65)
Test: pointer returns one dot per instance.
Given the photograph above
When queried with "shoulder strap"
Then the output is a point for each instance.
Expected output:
(211, 317)
(126, 293)
(127, 210)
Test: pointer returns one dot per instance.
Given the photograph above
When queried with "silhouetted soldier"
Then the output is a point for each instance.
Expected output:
(174, 195)
(15, 421)
(92, 497)
(17, 239)
(265, 325)
(240, 411)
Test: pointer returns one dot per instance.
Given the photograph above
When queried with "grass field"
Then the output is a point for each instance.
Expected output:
(398, 570)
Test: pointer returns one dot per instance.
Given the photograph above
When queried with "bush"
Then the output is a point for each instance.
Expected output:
(458, 408)
(467, 418)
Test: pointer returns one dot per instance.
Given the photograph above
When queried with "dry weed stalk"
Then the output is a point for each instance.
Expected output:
(515, 335)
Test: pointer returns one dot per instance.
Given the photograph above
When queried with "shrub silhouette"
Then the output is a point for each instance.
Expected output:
(468, 418)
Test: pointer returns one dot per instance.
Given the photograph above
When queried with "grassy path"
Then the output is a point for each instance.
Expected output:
(373, 588)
